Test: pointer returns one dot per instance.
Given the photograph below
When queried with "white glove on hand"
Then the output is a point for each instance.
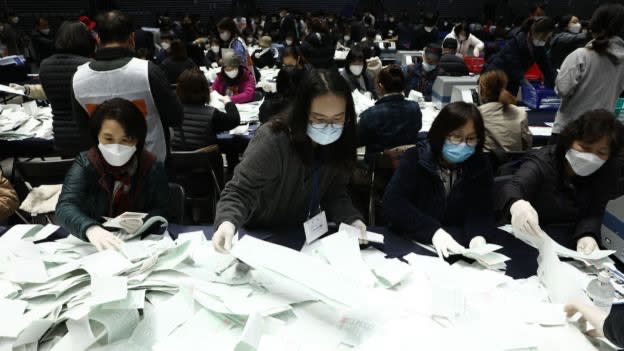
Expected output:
(222, 238)
(476, 52)
(445, 244)
(586, 245)
(362, 227)
(102, 239)
(18, 87)
(214, 65)
(524, 218)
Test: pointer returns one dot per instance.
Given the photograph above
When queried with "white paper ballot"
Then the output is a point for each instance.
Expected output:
(370, 236)
(105, 263)
(562, 281)
(254, 329)
(11, 316)
(108, 289)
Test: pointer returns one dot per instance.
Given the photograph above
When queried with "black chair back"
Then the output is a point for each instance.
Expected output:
(177, 204)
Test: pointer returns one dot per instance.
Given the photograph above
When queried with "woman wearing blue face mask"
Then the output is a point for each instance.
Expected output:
(113, 177)
(442, 191)
(294, 168)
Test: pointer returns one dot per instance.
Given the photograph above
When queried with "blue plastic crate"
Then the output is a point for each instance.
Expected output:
(538, 97)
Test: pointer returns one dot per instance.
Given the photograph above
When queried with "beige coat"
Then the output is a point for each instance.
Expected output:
(506, 128)
(8, 199)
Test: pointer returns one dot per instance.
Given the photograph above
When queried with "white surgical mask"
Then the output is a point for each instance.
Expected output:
(574, 28)
(165, 45)
(356, 69)
(45, 31)
(324, 136)
(584, 163)
(378, 38)
(232, 74)
(539, 43)
(116, 155)
(427, 67)
(347, 37)
(225, 36)
(289, 42)
(428, 29)
(215, 49)
(15, 20)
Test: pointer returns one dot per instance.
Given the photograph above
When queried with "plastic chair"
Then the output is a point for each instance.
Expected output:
(388, 162)
(200, 173)
(177, 201)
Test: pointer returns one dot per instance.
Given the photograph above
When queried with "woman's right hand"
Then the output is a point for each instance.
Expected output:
(102, 239)
(524, 218)
(222, 237)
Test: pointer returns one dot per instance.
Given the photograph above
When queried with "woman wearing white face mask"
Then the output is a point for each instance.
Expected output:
(213, 55)
(466, 40)
(235, 82)
(563, 189)
(568, 39)
(114, 177)
(355, 73)
(295, 167)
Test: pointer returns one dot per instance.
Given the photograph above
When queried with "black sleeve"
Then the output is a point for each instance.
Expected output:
(222, 122)
(523, 186)
(614, 325)
(81, 117)
(169, 107)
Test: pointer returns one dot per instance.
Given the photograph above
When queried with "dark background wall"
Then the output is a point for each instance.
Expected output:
(145, 11)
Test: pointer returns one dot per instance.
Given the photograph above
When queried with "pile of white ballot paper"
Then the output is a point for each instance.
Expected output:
(160, 294)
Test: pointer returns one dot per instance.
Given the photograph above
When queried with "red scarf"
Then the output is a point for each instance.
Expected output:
(121, 182)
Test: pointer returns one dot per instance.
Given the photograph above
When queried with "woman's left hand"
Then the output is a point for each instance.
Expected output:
(586, 245)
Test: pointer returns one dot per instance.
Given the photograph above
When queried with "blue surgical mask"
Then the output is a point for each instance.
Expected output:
(457, 153)
(324, 136)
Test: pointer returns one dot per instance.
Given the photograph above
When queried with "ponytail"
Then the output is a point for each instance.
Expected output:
(506, 98)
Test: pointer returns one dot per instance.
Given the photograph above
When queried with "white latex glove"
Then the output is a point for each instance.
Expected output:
(102, 239)
(445, 244)
(18, 87)
(222, 238)
(592, 314)
(586, 245)
(214, 65)
(362, 227)
(524, 218)
(477, 241)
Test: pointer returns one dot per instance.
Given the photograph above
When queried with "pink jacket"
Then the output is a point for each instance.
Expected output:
(241, 90)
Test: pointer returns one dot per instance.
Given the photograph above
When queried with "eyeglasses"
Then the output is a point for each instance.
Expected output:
(457, 139)
(323, 125)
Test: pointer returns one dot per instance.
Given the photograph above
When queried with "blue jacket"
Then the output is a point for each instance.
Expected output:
(415, 203)
(392, 122)
(516, 57)
(420, 80)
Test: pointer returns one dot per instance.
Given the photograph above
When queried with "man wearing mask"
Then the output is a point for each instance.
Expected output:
(12, 36)
(420, 76)
(42, 40)
(116, 73)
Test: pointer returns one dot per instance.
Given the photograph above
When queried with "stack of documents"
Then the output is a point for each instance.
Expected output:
(159, 294)
(25, 121)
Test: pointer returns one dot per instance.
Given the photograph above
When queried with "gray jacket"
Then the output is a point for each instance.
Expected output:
(506, 128)
(271, 187)
(588, 81)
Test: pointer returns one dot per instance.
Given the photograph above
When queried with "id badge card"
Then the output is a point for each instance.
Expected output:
(315, 227)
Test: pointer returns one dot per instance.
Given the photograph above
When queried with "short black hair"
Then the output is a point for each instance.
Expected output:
(450, 43)
(128, 115)
(193, 88)
(452, 117)
(114, 26)
(590, 127)
(291, 51)
(318, 82)
(177, 51)
(392, 79)
(227, 24)
(462, 27)
(73, 37)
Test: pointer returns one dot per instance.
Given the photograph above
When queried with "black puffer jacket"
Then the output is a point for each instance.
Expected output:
(201, 125)
(56, 74)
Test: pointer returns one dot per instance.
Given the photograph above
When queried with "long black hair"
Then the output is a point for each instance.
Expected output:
(318, 82)
(607, 21)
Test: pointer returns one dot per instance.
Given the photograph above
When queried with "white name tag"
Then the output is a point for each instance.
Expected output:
(315, 227)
